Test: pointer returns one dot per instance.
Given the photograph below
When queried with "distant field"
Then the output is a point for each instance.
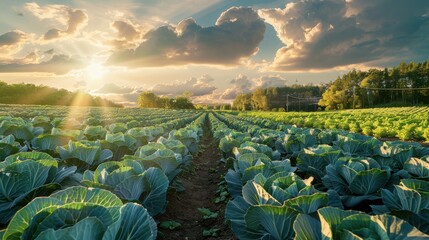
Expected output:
(405, 123)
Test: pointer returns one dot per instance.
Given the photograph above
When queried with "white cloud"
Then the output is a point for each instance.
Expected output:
(242, 84)
(73, 20)
(321, 35)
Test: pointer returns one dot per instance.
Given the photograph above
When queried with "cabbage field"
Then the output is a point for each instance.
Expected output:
(404, 123)
(98, 173)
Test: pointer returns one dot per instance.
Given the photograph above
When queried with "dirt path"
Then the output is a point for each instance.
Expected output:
(200, 184)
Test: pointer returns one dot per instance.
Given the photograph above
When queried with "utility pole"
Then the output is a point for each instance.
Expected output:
(287, 102)
(354, 92)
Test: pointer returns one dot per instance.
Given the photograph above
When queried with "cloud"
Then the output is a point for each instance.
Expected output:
(128, 34)
(12, 42)
(58, 64)
(80, 84)
(243, 84)
(72, 19)
(49, 52)
(113, 88)
(327, 34)
(196, 86)
(270, 81)
(124, 95)
(235, 36)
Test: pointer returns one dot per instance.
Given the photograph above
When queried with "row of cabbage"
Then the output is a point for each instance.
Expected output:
(76, 191)
(404, 123)
(289, 182)
(78, 117)
(44, 134)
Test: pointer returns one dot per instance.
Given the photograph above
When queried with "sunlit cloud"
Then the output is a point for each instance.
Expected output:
(73, 20)
(128, 34)
(195, 86)
(58, 64)
(235, 37)
(244, 84)
(12, 42)
(320, 35)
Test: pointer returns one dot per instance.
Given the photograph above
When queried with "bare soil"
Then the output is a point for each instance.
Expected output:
(200, 183)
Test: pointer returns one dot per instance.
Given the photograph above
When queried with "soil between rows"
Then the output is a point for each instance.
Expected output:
(200, 184)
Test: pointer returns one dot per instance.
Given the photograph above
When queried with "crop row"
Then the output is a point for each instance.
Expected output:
(59, 183)
(404, 123)
(304, 183)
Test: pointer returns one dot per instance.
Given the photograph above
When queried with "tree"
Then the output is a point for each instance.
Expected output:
(148, 100)
(151, 100)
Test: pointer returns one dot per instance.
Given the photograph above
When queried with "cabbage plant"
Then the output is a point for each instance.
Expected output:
(356, 179)
(95, 132)
(130, 181)
(26, 175)
(81, 213)
(19, 128)
(334, 223)
(261, 215)
(84, 154)
(248, 165)
(409, 200)
(120, 144)
(313, 161)
(9, 146)
(188, 136)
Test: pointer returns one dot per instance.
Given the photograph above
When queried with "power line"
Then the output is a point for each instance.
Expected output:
(394, 89)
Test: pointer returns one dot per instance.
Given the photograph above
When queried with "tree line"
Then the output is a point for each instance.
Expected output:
(405, 84)
(291, 98)
(151, 100)
(23, 93)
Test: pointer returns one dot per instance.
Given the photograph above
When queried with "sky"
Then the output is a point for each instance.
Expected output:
(212, 50)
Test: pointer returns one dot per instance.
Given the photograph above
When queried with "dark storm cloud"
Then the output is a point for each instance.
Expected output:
(235, 36)
(326, 34)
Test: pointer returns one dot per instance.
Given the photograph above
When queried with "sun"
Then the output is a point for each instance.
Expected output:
(96, 71)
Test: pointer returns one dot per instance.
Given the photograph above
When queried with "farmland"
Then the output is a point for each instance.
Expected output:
(404, 123)
(97, 173)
